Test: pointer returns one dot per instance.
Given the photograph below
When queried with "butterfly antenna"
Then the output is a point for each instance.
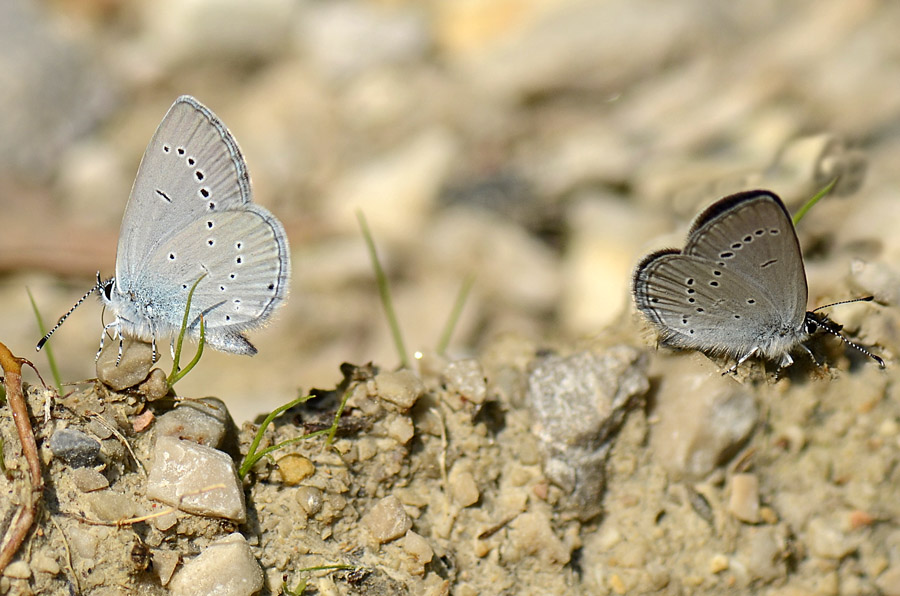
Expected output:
(834, 329)
(865, 299)
(62, 319)
(851, 343)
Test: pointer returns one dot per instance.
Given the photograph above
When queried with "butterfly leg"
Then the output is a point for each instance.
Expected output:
(121, 337)
(103, 334)
(154, 353)
(811, 355)
(741, 360)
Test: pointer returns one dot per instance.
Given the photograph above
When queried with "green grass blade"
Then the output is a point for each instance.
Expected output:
(51, 359)
(252, 456)
(177, 376)
(174, 376)
(337, 415)
(809, 204)
(384, 291)
(453, 319)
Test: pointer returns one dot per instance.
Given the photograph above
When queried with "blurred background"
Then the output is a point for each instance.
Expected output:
(539, 145)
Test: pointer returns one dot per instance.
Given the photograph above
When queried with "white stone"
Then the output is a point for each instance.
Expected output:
(400, 389)
(466, 377)
(18, 570)
(400, 428)
(224, 568)
(196, 479)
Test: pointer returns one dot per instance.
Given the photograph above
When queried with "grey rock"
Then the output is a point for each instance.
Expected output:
(204, 421)
(131, 369)
(88, 480)
(75, 447)
(579, 403)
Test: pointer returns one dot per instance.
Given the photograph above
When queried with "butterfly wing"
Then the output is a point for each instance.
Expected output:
(241, 259)
(191, 167)
(738, 286)
(189, 216)
(752, 234)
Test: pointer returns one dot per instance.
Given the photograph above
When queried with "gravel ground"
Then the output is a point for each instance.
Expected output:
(541, 147)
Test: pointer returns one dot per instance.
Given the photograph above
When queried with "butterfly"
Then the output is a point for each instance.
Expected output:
(190, 221)
(737, 288)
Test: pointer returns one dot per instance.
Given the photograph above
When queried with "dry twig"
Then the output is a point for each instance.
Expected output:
(21, 524)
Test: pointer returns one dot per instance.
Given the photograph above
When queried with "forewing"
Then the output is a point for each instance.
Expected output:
(751, 236)
(191, 167)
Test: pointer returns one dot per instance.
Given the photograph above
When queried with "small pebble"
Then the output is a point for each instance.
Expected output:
(310, 499)
(761, 553)
(889, 581)
(463, 487)
(164, 521)
(857, 519)
(155, 386)
(42, 563)
(18, 570)
(702, 417)
(617, 585)
(744, 502)
(718, 563)
(466, 378)
(142, 421)
(88, 479)
(418, 548)
(83, 542)
(111, 506)
(196, 479)
(531, 534)
(226, 567)
(295, 468)
(387, 520)
(400, 389)
(100, 427)
(825, 539)
(400, 428)
(75, 447)
(768, 515)
(204, 421)
(137, 358)
(164, 564)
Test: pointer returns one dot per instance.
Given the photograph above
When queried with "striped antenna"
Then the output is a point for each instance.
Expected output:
(826, 324)
(62, 319)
